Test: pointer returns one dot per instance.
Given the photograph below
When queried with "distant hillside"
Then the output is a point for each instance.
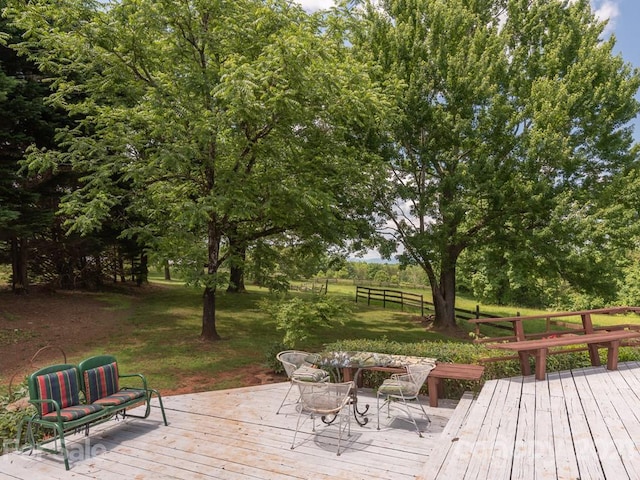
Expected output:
(392, 261)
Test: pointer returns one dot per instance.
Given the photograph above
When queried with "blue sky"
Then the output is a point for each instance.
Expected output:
(624, 23)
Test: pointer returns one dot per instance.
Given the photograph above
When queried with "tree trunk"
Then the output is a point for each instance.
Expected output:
(143, 270)
(236, 280)
(209, 331)
(167, 271)
(19, 258)
(443, 291)
(236, 271)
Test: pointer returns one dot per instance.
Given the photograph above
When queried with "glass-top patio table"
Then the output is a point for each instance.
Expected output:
(347, 365)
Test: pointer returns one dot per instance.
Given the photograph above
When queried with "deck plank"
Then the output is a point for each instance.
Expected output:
(583, 423)
(236, 435)
(463, 449)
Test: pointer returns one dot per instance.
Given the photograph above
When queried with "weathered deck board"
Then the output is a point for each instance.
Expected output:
(236, 435)
(576, 424)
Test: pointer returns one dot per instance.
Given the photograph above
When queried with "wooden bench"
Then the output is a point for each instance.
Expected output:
(556, 326)
(450, 371)
(540, 348)
(442, 371)
(69, 397)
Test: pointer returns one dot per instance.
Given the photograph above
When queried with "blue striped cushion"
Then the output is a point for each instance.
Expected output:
(60, 386)
(121, 397)
(73, 413)
(101, 382)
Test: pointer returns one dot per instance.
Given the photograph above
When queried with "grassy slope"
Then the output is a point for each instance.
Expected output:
(161, 335)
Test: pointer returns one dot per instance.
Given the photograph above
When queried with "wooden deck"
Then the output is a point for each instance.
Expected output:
(235, 434)
(580, 424)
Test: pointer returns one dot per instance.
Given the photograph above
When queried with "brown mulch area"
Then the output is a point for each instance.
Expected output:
(51, 324)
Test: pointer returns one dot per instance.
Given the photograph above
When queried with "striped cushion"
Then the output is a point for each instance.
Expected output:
(121, 397)
(397, 387)
(73, 413)
(101, 382)
(309, 374)
(60, 386)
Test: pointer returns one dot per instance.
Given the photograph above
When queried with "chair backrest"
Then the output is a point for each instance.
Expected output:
(324, 398)
(292, 360)
(99, 376)
(419, 373)
(56, 382)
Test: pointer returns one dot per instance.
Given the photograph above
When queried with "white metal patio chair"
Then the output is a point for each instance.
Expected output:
(297, 367)
(404, 387)
(324, 399)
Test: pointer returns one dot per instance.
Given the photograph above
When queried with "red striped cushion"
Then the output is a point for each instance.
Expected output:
(121, 397)
(60, 386)
(101, 382)
(73, 413)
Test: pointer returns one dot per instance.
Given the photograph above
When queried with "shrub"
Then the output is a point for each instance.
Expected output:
(297, 317)
(468, 353)
(11, 413)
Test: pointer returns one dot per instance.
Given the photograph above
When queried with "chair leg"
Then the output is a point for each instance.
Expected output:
(412, 419)
(340, 414)
(285, 398)
(164, 417)
(387, 402)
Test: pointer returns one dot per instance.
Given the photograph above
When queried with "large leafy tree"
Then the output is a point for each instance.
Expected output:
(226, 119)
(27, 205)
(512, 121)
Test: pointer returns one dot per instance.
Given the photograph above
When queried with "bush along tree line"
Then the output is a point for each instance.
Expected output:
(487, 143)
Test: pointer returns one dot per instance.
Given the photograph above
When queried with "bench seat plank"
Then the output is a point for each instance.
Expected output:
(539, 348)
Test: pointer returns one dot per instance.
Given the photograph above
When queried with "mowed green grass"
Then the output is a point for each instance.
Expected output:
(158, 333)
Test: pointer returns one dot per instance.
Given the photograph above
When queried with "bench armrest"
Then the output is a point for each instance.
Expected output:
(37, 402)
(135, 375)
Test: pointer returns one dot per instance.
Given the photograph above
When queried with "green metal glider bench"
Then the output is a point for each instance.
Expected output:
(57, 392)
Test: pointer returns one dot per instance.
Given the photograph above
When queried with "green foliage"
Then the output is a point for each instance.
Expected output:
(10, 417)
(469, 353)
(512, 126)
(222, 124)
(270, 357)
(297, 317)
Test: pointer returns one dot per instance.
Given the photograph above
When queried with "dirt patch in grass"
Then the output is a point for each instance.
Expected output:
(52, 324)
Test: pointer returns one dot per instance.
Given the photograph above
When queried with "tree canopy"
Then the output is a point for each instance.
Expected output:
(215, 122)
(512, 123)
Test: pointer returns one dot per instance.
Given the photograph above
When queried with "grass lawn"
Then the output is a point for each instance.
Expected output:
(158, 334)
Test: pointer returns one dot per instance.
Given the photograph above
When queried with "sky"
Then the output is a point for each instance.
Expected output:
(624, 22)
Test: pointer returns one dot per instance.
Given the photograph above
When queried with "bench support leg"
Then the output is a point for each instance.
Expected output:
(593, 355)
(433, 385)
(524, 363)
(541, 363)
(612, 355)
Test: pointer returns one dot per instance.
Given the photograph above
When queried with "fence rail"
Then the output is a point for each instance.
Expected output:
(391, 296)
(414, 300)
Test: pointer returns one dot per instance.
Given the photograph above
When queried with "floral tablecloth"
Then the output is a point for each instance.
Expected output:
(355, 359)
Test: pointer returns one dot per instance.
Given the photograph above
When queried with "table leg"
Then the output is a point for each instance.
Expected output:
(354, 398)
(348, 375)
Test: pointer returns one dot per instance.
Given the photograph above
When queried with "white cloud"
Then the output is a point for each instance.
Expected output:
(606, 10)
(313, 5)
